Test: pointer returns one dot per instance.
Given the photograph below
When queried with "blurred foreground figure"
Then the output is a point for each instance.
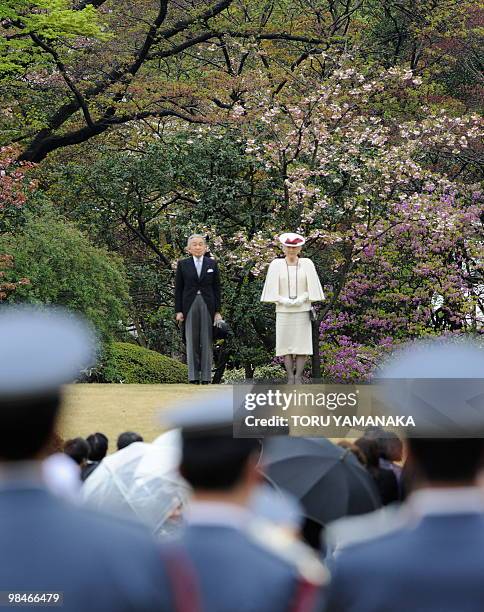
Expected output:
(227, 558)
(433, 560)
(46, 544)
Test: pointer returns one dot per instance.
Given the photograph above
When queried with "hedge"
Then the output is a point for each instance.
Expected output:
(132, 364)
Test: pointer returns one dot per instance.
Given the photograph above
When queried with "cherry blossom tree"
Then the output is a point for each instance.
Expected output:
(390, 205)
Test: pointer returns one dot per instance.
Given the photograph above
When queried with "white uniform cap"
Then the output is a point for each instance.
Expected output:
(208, 412)
(440, 383)
(437, 358)
(41, 348)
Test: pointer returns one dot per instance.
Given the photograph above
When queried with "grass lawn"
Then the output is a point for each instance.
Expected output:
(114, 408)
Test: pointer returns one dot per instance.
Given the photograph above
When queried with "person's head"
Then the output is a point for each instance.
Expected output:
(220, 464)
(291, 243)
(446, 461)
(370, 450)
(391, 447)
(196, 245)
(357, 452)
(374, 432)
(77, 449)
(27, 427)
(98, 446)
(216, 465)
(42, 348)
(127, 438)
(434, 382)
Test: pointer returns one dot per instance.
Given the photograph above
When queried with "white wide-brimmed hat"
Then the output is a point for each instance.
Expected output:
(291, 239)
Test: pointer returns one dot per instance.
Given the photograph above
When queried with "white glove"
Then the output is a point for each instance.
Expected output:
(301, 299)
(284, 301)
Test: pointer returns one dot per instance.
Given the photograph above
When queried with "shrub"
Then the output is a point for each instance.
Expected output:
(64, 267)
(270, 372)
(131, 364)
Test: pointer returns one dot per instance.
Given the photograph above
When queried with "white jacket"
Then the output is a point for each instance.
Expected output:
(276, 285)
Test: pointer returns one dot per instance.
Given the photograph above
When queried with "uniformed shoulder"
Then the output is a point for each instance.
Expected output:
(288, 549)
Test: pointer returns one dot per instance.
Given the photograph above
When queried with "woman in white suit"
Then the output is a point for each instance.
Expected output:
(292, 284)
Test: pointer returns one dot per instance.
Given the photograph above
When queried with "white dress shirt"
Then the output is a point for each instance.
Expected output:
(198, 261)
(442, 500)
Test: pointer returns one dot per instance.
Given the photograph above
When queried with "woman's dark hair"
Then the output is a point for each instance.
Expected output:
(77, 449)
(26, 425)
(98, 446)
(127, 438)
(371, 451)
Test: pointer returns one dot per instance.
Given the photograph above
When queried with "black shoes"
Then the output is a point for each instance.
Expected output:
(194, 382)
(205, 382)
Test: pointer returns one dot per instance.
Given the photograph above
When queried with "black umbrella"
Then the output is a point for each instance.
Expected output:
(328, 480)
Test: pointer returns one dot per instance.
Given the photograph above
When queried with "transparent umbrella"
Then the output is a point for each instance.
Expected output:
(140, 482)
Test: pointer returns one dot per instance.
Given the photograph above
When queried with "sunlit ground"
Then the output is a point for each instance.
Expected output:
(112, 409)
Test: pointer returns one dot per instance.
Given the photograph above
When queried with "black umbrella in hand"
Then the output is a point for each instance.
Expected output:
(328, 480)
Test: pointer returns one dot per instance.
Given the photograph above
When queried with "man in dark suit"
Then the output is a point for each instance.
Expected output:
(197, 305)
(93, 562)
(435, 561)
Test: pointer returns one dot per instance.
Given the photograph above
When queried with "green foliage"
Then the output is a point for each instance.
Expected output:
(130, 363)
(152, 201)
(52, 21)
(65, 268)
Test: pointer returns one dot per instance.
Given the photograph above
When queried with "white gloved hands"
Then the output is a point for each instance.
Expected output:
(301, 299)
(293, 301)
(284, 301)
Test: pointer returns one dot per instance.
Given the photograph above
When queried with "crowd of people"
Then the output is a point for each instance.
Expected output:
(240, 544)
(89, 452)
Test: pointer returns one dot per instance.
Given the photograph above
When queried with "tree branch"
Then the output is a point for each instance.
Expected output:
(62, 69)
(50, 142)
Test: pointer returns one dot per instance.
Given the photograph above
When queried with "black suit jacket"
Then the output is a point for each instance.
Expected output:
(187, 284)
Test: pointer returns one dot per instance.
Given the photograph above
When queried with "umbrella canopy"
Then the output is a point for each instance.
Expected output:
(140, 482)
(327, 480)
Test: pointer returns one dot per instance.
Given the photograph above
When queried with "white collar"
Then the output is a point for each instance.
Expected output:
(195, 258)
(439, 501)
(217, 513)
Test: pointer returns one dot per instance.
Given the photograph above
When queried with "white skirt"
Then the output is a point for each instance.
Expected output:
(293, 333)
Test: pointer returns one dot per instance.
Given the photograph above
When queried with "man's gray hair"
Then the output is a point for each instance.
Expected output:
(193, 236)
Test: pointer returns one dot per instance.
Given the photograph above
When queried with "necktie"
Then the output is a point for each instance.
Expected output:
(199, 266)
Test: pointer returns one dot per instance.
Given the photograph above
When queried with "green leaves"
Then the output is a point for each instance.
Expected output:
(53, 21)
(65, 268)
